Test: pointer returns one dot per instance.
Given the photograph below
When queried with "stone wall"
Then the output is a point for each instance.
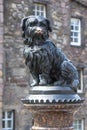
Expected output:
(80, 54)
(1, 60)
(15, 75)
(16, 84)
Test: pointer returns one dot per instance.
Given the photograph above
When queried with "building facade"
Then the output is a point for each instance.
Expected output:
(69, 32)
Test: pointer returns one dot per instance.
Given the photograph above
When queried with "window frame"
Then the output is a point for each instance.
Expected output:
(39, 5)
(77, 124)
(81, 89)
(79, 37)
(6, 119)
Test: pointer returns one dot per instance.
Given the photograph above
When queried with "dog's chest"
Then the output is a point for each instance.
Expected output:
(35, 49)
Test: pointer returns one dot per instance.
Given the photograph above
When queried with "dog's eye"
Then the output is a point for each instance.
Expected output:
(33, 23)
(42, 24)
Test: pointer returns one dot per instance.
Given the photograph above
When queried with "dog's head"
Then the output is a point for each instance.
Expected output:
(35, 28)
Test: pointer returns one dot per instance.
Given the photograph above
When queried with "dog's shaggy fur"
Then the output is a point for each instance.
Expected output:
(47, 63)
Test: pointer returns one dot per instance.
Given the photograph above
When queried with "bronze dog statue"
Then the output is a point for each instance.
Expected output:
(47, 63)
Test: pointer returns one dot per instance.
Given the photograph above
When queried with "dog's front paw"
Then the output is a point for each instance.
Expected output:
(34, 83)
(43, 82)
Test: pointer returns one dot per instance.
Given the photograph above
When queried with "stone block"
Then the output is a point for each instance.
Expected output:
(1, 58)
(1, 1)
(1, 73)
(1, 89)
(1, 30)
(1, 39)
(18, 72)
(1, 17)
(1, 8)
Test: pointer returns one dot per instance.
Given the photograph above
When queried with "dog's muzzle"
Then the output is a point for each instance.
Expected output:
(38, 30)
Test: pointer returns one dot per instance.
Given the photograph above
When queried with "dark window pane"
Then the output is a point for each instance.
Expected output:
(75, 33)
(38, 7)
(3, 124)
(76, 27)
(38, 13)
(42, 8)
(9, 124)
(72, 27)
(3, 115)
(71, 39)
(79, 74)
(75, 39)
(33, 12)
(9, 114)
(33, 7)
(42, 14)
(71, 33)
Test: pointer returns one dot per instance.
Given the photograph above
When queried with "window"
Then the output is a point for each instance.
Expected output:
(39, 9)
(78, 124)
(75, 32)
(80, 88)
(7, 120)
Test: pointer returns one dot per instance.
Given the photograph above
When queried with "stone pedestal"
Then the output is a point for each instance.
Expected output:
(52, 107)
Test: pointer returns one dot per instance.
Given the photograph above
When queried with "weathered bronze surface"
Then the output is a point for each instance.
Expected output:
(52, 95)
(52, 98)
(47, 63)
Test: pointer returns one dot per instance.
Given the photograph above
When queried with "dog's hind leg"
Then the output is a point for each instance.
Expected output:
(70, 74)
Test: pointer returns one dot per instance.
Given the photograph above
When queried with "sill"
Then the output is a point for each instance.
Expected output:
(75, 44)
(79, 92)
(78, 46)
(42, 2)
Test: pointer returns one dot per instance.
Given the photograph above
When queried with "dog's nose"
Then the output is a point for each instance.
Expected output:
(38, 30)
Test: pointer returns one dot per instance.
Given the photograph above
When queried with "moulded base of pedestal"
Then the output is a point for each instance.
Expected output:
(48, 128)
(52, 107)
(53, 119)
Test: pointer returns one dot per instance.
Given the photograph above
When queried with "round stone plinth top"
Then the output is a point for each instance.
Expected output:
(52, 95)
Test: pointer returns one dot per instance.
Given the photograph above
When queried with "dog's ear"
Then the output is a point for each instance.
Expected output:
(48, 25)
(23, 21)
